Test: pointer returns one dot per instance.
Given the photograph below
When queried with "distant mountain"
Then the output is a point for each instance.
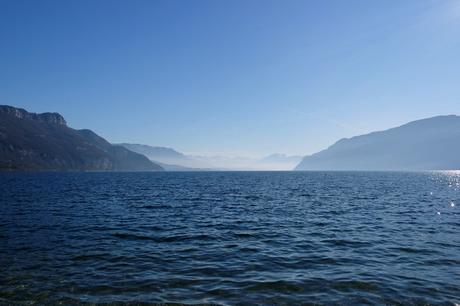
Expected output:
(155, 153)
(227, 163)
(31, 141)
(167, 156)
(427, 144)
(281, 158)
(172, 160)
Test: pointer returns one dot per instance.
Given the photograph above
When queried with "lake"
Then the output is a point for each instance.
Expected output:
(230, 238)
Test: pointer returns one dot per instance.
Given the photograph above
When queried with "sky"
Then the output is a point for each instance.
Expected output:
(236, 78)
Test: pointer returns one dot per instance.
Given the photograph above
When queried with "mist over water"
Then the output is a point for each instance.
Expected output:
(230, 237)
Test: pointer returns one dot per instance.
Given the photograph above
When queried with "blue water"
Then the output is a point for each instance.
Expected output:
(230, 238)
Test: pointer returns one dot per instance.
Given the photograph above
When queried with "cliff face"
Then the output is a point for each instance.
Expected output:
(31, 141)
(19, 113)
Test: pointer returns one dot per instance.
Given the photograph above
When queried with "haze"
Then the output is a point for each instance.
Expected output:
(235, 78)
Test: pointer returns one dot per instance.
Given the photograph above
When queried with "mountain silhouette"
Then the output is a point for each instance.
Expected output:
(427, 144)
(168, 158)
(31, 141)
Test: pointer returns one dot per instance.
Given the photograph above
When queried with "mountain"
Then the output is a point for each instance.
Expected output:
(227, 163)
(281, 158)
(171, 158)
(161, 154)
(427, 144)
(31, 141)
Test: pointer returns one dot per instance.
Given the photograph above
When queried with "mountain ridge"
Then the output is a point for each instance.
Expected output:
(172, 160)
(424, 144)
(30, 141)
(165, 155)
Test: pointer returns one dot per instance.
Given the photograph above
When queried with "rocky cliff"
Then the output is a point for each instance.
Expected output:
(30, 141)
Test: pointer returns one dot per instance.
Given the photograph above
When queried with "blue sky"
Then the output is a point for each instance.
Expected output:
(232, 77)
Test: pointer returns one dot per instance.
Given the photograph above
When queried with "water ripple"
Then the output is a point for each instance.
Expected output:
(233, 238)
